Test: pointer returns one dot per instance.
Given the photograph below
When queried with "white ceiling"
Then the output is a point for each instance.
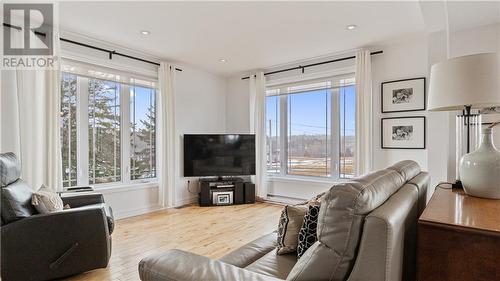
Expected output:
(461, 14)
(249, 35)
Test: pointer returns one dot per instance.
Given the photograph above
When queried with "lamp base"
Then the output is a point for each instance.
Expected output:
(480, 170)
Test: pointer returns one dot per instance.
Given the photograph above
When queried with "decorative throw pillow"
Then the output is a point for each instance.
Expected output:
(288, 228)
(307, 233)
(46, 201)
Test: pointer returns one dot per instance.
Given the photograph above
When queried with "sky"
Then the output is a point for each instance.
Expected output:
(141, 105)
(309, 112)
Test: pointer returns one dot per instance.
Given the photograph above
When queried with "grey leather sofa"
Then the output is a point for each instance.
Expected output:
(366, 231)
(48, 246)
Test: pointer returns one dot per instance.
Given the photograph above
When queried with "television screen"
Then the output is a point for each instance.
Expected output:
(219, 155)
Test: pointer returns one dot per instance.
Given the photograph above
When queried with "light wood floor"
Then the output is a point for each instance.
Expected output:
(208, 231)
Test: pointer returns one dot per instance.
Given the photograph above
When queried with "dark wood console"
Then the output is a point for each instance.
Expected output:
(229, 191)
(459, 238)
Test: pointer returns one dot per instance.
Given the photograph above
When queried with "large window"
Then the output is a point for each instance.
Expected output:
(108, 126)
(311, 128)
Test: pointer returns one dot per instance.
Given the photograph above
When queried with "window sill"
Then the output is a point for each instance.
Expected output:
(315, 180)
(120, 187)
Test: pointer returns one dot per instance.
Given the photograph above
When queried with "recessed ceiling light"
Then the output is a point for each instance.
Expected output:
(145, 32)
(223, 60)
(351, 27)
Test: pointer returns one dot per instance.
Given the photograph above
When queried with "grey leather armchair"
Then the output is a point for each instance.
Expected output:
(49, 246)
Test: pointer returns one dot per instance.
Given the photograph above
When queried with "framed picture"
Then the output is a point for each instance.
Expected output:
(403, 132)
(403, 95)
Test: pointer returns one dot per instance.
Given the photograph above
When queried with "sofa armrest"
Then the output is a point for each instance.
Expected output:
(177, 265)
(249, 253)
(75, 200)
(55, 245)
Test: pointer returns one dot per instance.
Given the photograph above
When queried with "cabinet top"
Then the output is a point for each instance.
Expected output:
(454, 207)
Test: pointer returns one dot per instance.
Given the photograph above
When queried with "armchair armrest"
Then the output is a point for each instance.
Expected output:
(55, 245)
(75, 200)
(177, 265)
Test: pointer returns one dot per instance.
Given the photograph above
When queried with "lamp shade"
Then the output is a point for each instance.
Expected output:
(469, 80)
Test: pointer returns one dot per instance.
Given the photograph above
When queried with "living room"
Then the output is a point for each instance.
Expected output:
(239, 140)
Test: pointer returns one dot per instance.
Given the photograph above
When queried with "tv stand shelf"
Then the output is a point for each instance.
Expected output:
(226, 191)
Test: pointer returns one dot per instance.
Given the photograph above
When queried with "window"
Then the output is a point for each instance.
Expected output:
(68, 128)
(108, 126)
(104, 131)
(142, 132)
(311, 128)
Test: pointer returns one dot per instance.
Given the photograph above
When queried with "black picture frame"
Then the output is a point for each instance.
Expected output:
(402, 80)
(403, 117)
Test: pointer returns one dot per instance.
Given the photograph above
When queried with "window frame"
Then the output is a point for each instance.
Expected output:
(281, 90)
(82, 129)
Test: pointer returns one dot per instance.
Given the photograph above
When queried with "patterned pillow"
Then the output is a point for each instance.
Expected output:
(47, 201)
(307, 233)
(288, 228)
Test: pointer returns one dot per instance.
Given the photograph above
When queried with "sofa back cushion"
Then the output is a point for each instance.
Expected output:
(10, 168)
(16, 201)
(340, 223)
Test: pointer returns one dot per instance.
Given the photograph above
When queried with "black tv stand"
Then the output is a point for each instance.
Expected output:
(226, 191)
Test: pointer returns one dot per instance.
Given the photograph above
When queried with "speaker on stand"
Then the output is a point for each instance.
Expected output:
(249, 192)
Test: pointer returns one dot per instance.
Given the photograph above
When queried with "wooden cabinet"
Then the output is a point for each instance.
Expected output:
(459, 238)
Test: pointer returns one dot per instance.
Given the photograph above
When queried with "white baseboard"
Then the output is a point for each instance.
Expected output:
(136, 212)
(186, 201)
(149, 209)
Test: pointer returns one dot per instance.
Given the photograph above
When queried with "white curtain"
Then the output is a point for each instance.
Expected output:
(363, 158)
(166, 134)
(30, 120)
(258, 127)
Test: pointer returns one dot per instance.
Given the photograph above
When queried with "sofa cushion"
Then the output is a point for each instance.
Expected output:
(408, 169)
(389, 239)
(247, 254)
(274, 265)
(289, 225)
(16, 201)
(10, 169)
(341, 217)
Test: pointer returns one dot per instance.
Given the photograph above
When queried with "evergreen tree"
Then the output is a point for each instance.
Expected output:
(68, 129)
(104, 131)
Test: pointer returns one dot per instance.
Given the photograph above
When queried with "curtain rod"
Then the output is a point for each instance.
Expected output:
(302, 67)
(110, 52)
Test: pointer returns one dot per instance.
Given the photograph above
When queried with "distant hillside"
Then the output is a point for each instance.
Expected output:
(316, 146)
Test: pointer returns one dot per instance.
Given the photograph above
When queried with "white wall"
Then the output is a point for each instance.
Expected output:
(200, 108)
(237, 104)
(405, 58)
(402, 59)
(200, 104)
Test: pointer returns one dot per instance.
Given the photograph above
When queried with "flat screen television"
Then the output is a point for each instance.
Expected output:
(219, 155)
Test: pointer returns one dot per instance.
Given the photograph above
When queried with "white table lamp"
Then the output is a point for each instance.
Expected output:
(466, 83)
